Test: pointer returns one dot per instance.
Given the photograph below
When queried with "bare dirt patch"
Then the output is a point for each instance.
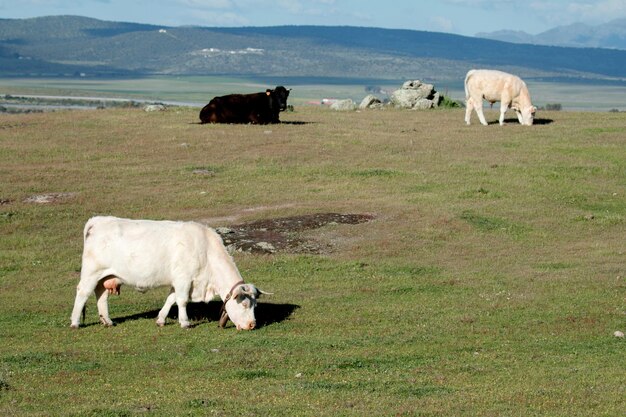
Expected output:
(49, 198)
(284, 234)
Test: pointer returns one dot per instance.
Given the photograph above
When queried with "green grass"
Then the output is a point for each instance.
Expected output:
(489, 283)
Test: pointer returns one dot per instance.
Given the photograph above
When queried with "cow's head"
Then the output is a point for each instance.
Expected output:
(527, 115)
(240, 306)
(281, 94)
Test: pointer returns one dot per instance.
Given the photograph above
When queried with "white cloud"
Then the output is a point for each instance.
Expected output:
(594, 12)
(207, 4)
(599, 10)
(292, 6)
(220, 18)
(481, 3)
(442, 23)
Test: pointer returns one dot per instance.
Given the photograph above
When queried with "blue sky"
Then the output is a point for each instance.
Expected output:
(465, 17)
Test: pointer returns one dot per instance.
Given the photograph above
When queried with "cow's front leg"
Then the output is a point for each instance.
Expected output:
(503, 109)
(182, 290)
(183, 319)
(169, 302)
(102, 295)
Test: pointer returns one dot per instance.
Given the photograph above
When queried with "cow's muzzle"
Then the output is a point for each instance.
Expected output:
(250, 326)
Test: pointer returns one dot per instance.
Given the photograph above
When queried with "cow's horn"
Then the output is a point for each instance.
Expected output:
(259, 292)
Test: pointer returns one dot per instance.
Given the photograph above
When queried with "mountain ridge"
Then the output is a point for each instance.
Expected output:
(81, 46)
(610, 35)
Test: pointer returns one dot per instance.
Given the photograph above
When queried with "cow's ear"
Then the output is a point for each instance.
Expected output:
(239, 290)
(533, 109)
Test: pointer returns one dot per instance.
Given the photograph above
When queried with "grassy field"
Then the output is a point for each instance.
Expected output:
(490, 282)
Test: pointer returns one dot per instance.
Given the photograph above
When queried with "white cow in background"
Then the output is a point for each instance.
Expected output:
(493, 86)
(186, 256)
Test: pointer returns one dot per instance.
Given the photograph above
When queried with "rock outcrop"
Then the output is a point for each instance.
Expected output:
(415, 95)
(343, 105)
(371, 102)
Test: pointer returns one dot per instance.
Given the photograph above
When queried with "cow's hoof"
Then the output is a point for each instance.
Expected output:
(74, 326)
(106, 322)
(160, 323)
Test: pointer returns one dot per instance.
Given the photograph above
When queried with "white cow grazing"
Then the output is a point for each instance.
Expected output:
(500, 86)
(186, 256)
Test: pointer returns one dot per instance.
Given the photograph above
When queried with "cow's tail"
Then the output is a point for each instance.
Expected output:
(88, 229)
(467, 77)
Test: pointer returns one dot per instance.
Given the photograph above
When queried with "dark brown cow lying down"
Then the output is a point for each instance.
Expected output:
(257, 108)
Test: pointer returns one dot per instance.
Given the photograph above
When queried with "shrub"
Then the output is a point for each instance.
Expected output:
(554, 107)
(448, 103)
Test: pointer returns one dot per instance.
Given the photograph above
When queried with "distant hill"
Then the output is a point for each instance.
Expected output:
(79, 46)
(607, 35)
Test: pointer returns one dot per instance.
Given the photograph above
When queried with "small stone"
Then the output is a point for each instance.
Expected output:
(589, 217)
(618, 334)
(268, 247)
(203, 172)
(299, 375)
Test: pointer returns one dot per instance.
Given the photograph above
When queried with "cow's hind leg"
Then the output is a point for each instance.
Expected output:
(169, 302)
(469, 106)
(481, 115)
(85, 288)
(477, 103)
(102, 295)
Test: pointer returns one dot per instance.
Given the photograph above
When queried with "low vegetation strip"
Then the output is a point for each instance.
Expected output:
(490, 282)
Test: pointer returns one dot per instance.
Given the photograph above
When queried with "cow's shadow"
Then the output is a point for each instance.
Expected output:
(295, 122)
(282, 122)
(514, 121)
(265, 313)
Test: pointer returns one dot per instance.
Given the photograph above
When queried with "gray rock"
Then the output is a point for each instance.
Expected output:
(266, 247)
(154, 107)
(343, 105)
(370, 101)
(436, 99)
(416, 95)
(423, 104)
